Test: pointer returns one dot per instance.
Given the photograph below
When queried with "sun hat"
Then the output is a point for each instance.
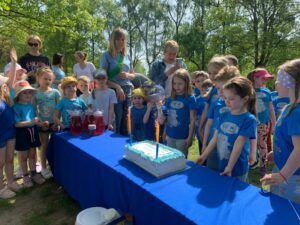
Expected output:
(263, 73)
(138, 92)
(68, 80)
(18, 67)
(99, 73)
(3, 80)
(22, 86)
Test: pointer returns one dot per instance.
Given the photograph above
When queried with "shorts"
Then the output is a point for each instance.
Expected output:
(49, 130)
(26, 138)
(3, 143)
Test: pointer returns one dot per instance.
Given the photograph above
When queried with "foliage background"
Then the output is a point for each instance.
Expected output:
(260, 33)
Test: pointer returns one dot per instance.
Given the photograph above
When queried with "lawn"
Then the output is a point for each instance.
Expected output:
(50, 204)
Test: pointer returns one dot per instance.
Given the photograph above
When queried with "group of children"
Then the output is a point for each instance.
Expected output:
(230, 114)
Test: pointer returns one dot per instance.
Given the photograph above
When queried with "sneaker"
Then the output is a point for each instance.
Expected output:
(38, 167)
(19, 173)
(38, 179)
(14, 186)
(254, 165)
(27, 181)
(5, 193)
(46, 173)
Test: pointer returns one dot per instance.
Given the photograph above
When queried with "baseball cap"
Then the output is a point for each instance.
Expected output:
(99, 73)
(263, 73)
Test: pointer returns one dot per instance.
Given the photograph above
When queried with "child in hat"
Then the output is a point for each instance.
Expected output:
(27, 136)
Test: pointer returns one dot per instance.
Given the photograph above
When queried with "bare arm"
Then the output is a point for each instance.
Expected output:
(235, 154)
(56, 118)
(12, 70)
(189, 140)
(203, 118)
(272, 115)
(147, 114)
(110, 116)
(212, 144)
(206, 131)
(118, 88)
(291, 165)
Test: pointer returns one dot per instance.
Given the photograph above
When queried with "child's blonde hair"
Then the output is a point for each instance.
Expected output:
(40, 71)
(200, 73)
(184, 75)
(207, 84)
(117, 33)
(84, 78)
(4, 95)
(218, 62)
(227, 73)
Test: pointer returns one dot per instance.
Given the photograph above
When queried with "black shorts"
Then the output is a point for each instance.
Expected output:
(49, 130)
(26, 138)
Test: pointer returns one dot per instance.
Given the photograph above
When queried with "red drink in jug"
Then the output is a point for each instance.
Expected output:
(88, 119)
(76, 124)
(98, 120)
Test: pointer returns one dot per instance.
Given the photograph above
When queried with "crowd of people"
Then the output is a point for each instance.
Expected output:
(232, 116)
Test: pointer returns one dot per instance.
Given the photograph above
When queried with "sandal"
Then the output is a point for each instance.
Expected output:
(5, 193)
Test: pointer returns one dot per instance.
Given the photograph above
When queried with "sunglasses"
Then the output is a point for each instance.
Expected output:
(33, 44)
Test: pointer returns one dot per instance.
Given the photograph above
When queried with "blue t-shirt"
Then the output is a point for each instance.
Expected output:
(263, 99)
(179, 115)
(200, 103)
(66, 106)
(7, 121)
(59, 74)
(196, 92)
(213, 96)
(287, 125)
(108, 63)
(279, 104)
(46, 102)
(215, 111)
(150, 125)
(229, 128)
(274, 94)
(24, 112)
(138, 127)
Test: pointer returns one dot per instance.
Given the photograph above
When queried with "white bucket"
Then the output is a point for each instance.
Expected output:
(96, 216)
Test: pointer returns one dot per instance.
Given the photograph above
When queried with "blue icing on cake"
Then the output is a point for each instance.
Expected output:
(147, 150)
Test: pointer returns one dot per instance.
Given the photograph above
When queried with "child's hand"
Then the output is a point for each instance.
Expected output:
(13, 55)
(188, 142)
(45, 125)
(226, 172)
(110, 127)
(201, 159)
(273, 179)
(150, 105)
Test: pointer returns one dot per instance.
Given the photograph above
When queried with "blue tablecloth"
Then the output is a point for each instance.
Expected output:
(93, 171)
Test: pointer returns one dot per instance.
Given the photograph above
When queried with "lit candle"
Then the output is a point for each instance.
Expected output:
(157, 137)
(129, 125)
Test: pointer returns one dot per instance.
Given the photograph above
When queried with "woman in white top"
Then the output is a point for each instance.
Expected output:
(83, 67)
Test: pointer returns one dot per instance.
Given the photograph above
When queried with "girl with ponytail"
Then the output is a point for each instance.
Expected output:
(285, 179)
(235, 129)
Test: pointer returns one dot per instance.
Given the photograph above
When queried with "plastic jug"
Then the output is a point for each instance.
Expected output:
(98, 120)
(76, 124)
(88, 119)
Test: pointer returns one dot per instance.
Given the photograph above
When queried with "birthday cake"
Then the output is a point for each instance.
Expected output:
(143, 154)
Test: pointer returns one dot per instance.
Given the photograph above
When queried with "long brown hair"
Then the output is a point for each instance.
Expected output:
(117, 33)
(243, 87)
(293, 69)
(182, 74)
(250, 75)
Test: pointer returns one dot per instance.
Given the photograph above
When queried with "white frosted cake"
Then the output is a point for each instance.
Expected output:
(143, 154)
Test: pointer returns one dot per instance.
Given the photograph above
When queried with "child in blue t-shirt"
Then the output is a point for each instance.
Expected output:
(282, 98)
(46, 98)
(234, 130)
(285, 179)
(265, 112)
(138, 111)
(27, 135)
(69, 103)
(181, 113)
(217, 108)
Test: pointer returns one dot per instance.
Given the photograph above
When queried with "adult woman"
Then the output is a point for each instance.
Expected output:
(34, 59)
(117, 63)
(83, 67)
(162, 70)
(57, 62)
